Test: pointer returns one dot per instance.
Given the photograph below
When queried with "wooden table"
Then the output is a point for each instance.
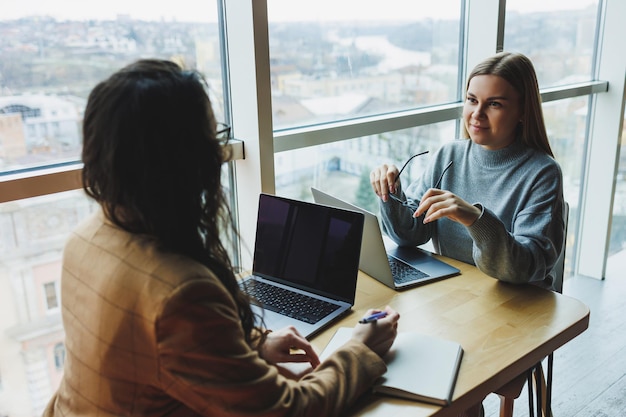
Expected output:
(504, 330)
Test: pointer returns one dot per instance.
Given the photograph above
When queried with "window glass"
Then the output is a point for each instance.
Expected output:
(59, 356)
(342, 168)
(335, 60)
(31, 243)
(54, 53)
(558, 36)
(566, 123)
(52, 301)
(617, 245)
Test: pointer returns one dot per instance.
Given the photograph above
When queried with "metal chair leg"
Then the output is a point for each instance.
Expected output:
(548, 411)
(531, 412)
(537, 371)
(543, 385)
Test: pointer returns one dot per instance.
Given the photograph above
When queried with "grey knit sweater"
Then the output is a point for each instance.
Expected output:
(520, 232)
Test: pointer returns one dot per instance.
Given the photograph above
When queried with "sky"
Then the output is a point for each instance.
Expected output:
(278, 10)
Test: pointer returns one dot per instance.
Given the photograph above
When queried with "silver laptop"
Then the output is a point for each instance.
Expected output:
(398, 267)
(305, 263)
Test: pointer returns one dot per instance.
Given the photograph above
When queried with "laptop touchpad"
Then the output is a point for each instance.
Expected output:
(409, 254)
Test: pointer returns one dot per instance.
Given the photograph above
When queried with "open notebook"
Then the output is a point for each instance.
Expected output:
(420, 367)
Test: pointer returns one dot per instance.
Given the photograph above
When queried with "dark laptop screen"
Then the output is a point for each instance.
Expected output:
(308, 246)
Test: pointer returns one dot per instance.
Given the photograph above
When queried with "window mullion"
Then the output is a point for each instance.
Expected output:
(607, 113)
(251, 110)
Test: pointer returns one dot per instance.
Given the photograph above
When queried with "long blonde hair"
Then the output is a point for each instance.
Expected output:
(518, 71)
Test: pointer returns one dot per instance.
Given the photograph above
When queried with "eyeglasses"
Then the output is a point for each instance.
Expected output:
(409, 202)
(223, 132)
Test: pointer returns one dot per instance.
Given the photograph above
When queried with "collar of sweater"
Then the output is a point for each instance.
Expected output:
(499, 157)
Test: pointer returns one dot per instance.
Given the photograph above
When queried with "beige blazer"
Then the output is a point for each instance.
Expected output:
(150, 333)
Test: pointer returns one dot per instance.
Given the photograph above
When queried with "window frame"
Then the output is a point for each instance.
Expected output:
(54, 179)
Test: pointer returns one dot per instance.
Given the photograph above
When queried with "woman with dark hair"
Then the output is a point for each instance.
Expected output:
(494, 200)
(154, 318)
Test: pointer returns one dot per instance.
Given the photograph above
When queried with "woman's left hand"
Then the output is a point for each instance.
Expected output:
(287, 345)
(441, 203)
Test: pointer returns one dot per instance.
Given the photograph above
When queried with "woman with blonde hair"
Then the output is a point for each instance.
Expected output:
(494, 199)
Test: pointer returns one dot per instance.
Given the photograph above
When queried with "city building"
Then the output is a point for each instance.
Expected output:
(48, 127)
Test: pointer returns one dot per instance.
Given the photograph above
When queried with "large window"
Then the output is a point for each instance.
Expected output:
(365, 58)
(338, 60)
(558, 36)
(568, 58)
(52, 56)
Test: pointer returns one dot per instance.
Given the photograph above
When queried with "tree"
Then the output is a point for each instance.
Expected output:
(365, 197)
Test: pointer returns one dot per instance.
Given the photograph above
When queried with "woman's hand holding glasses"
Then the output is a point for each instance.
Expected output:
(383, 180)
(436, 203)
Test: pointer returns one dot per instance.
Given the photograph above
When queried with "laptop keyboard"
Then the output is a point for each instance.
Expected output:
(403, 273)
(289, 303)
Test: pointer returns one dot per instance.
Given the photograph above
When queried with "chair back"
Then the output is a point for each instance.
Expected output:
(558, 270)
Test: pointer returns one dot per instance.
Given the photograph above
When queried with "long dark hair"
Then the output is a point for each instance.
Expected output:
(519, 71)
(153, 162)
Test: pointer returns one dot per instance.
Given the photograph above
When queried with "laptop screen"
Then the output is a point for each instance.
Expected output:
(308, 246)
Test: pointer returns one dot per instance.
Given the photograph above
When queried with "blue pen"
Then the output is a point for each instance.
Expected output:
(373, 317)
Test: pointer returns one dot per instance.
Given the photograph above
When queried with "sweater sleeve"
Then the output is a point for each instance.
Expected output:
(399, 224)
(207, 365)
(529, 251)
(397, 220)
